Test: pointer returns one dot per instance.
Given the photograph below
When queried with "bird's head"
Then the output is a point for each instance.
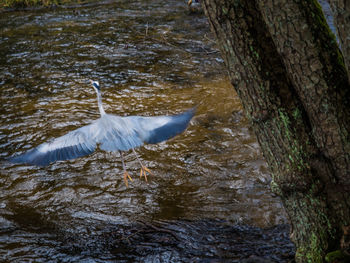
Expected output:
(95, 85)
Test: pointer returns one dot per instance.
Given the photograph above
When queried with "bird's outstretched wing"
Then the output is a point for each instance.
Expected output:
(163, 128)
(124, 133)
(74, 144)
(112, 133)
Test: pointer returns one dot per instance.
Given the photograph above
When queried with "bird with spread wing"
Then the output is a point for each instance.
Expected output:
(110, 133)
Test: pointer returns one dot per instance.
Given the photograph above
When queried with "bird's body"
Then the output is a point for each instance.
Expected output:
(110, 133)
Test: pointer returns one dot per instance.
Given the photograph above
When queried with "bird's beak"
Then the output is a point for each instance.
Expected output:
(189, 2)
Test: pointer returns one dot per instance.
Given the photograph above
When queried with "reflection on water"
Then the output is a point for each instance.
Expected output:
(151, 58)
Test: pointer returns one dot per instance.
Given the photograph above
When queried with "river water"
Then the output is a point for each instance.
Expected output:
(151, 58)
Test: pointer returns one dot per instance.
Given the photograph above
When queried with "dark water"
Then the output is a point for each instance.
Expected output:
(151, 57)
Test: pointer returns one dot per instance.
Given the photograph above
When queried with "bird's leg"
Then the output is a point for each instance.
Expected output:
(126, 174)
(144, 170)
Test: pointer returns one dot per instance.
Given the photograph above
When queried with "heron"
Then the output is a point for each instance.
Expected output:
(110, 133)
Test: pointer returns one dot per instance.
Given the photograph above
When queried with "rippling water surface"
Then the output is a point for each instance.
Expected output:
(151, 57)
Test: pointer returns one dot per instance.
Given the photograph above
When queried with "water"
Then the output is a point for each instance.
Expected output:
(151, 58)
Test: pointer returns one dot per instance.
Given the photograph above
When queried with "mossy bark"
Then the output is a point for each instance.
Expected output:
(287, 69)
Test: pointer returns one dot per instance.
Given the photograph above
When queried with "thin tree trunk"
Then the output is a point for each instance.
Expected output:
(289, 73)
(341, 13)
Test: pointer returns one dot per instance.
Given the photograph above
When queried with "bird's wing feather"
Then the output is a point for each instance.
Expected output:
(124, 133)
(74, 144)
(165, 127)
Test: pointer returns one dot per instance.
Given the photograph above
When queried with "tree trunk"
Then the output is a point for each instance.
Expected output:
(341, 13)
(288, 71)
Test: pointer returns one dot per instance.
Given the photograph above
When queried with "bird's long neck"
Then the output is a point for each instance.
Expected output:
(99, 101)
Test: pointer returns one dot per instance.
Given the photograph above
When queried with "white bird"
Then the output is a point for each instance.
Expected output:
(110, 133)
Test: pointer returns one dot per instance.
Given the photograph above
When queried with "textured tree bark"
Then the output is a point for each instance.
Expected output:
(287, 69)
(341, 13)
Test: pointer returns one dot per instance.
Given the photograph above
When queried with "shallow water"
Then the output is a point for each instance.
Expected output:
(151, 58)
